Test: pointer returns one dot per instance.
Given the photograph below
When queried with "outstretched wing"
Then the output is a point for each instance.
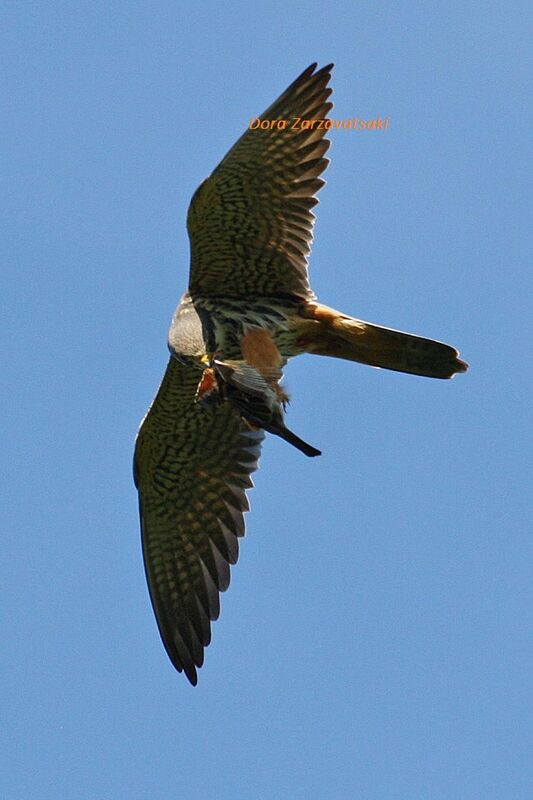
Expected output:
(192, 466)
(250, 223)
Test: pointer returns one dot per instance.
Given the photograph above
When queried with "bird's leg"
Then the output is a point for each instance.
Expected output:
(260, 351)
(281, 394)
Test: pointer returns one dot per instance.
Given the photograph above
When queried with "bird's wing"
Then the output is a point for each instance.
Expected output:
(192, 466)
(250, 223)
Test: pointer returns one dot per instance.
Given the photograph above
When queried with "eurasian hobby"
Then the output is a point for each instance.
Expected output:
(248, 309)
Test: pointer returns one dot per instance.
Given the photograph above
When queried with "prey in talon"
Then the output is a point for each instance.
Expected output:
(261, 404)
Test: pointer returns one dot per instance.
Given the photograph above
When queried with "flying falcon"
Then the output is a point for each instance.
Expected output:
(248, 309)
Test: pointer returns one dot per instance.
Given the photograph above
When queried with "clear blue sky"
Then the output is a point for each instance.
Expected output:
(377, 639)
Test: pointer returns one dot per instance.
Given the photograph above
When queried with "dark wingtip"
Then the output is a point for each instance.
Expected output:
(192, 675)
(312, 71)
(323, 70)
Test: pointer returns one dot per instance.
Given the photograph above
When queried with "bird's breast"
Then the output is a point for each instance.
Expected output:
(253, 329)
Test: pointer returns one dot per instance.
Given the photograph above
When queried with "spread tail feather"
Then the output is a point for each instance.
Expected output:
(327, 332)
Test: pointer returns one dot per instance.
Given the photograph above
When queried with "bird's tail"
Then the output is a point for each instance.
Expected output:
(257, 400)
(282, 431)
(326, 332)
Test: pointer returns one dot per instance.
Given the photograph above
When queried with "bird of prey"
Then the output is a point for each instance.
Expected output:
(247, 310)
